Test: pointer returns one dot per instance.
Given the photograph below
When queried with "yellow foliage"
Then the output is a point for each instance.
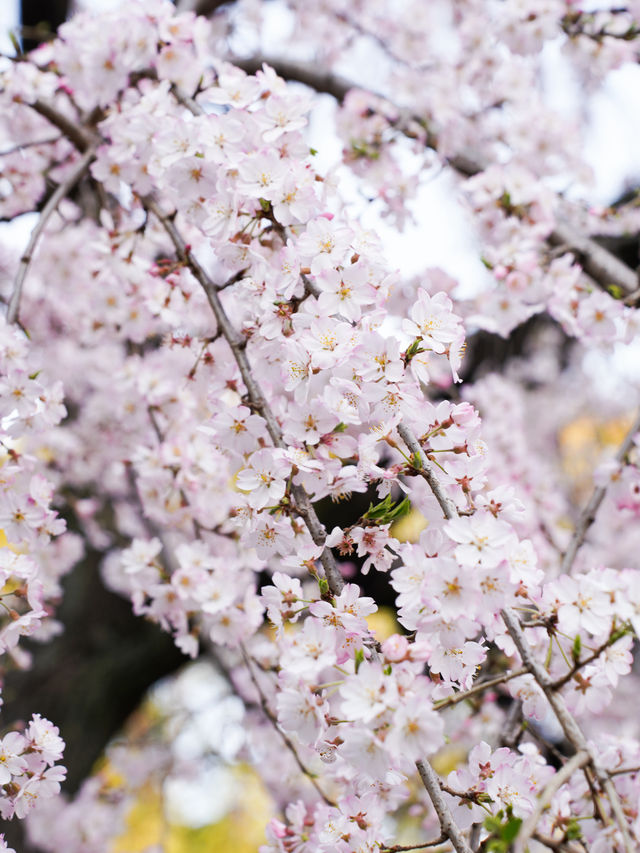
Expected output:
(581, 443)
(409, 528)
(448, 759)
(383, 623)
(241, 830)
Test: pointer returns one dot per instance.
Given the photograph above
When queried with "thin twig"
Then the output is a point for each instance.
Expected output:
(237, 345)
(447, 506)
(61, 192)
(527, 830)
(478, 688)
(431, 782)
(560, 682)
(563, 845)
(570, 727)
(287, 741)
(400, 848)
(588, 514)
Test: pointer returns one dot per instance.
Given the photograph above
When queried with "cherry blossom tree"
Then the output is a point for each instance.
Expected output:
(205, 354)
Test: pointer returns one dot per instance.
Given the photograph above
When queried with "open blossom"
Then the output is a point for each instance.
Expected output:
(264, 478)
(323, 244)
(482, 539)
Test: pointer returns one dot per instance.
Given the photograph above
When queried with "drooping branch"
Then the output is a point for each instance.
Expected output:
(266, 710)
(257, 398)
(588, 514)
(527, 830)
(597, 262)
(62, 190)
(570, 727)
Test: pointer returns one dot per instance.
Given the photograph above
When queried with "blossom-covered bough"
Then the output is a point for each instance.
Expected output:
(234, 349)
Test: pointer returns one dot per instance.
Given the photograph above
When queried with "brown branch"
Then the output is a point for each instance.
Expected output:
(62, 190)
(301, 72)
(237, 345)
(527, 830)
(588, 514)
(447, 506)
(478, 688)
(287, 741)
(448, 826)
(603, 266)
(561, 845)
(570, 727)
(71, 130)
(560, 682)
(400, 848)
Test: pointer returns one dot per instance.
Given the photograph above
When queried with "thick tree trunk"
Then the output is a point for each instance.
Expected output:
(92, 677)
(39, 18)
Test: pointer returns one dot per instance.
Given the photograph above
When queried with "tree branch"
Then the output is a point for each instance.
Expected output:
(571, 729)
(478, 688)
(449, 509)
(274, 721)
(527, 830)
(588, 514)
(258, 401)
(431, 782)
(603, 266)
(61, 192)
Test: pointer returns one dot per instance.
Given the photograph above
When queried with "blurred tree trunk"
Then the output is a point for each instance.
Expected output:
(91, 678)
(40, 18)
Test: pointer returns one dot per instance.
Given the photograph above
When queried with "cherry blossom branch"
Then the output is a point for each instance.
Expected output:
(431, 782)
(603, 266)
(237, 345)
(570, 727)
(36, 143)
(400, 848)
(62, 190)
(560, 682)
(563, 845)
(71, 130)
(447, 506)
(588, 514)
(596, 261)
(478, 688)
(287, 741)
(527, 830)
(301, 72)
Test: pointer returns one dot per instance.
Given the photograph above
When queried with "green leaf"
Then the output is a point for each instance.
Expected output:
(313, 151)
(386, 512)
(413, 349)
(615, 290)
(359, 658)
(573, 830)
(576, 649)
(265, 205)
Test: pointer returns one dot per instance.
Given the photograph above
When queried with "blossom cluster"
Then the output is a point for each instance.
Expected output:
(235, 350)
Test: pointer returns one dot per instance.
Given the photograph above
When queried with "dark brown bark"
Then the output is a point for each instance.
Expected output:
(40, 19)
(90, 679)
